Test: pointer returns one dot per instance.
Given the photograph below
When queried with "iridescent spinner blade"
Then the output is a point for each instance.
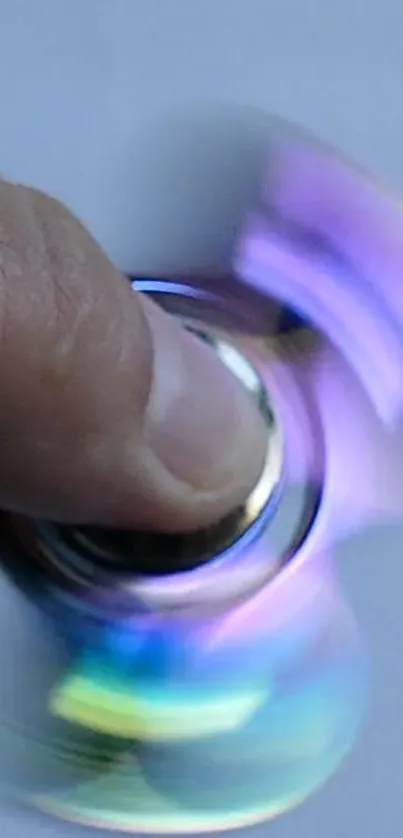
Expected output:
(212, 681)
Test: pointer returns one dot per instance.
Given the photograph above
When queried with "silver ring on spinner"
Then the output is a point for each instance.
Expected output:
(235, 321)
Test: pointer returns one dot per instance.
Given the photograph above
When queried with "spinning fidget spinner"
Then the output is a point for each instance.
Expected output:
(210, 681)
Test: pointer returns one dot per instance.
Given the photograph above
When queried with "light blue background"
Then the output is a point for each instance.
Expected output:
(113, 105)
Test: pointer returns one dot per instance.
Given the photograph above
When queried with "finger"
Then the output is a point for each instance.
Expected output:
(109, 412)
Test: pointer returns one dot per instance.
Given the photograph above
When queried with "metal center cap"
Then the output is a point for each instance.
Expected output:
(160, 554)
(247, 547)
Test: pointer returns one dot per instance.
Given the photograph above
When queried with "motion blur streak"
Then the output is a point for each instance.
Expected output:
(226, 695)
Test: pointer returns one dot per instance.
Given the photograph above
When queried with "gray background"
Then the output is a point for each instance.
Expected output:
(114, 106)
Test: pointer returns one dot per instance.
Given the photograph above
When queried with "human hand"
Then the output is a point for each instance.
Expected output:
(110, 413)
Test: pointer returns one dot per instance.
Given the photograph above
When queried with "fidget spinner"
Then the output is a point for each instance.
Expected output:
(202, 682)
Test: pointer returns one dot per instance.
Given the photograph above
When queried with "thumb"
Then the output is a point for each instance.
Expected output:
(109, 412)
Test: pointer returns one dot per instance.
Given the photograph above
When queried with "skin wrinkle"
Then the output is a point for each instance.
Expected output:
(58, 267)
(3, 281)
(55, 254)
(65, 328)
(69, 334)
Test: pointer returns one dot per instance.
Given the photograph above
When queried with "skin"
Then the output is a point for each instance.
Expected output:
(110, 413)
